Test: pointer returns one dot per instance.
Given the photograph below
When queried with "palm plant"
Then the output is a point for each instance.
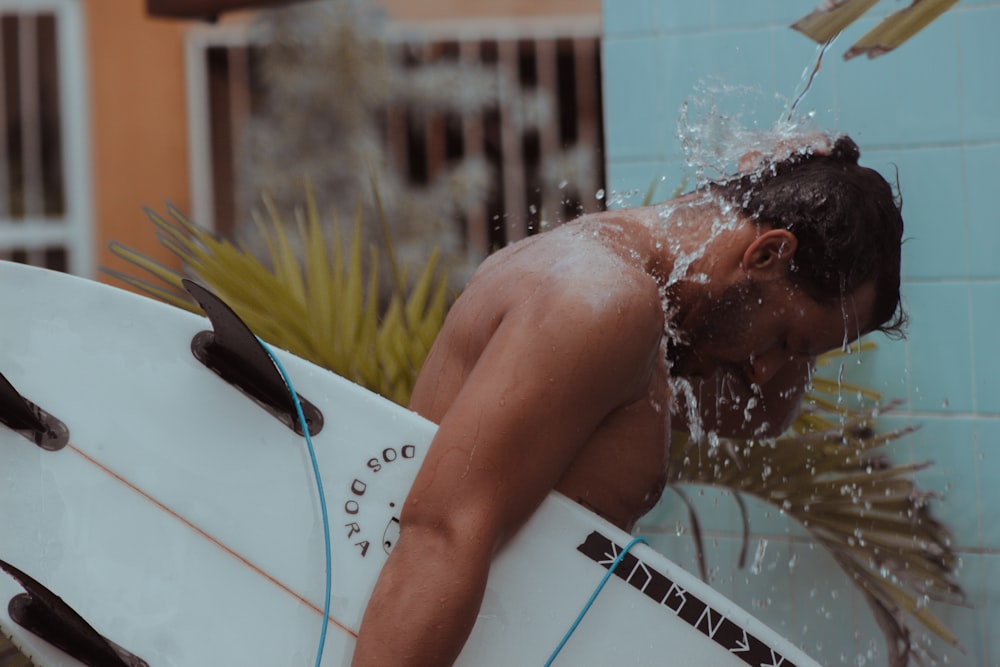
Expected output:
(10, 656)
(830, 18)
(828, 474)
(325, 307)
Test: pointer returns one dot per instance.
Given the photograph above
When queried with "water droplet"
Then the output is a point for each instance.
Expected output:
(758, 559)
(600, 194)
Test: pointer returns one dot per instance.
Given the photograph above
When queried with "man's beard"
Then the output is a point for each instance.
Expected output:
(717, 329)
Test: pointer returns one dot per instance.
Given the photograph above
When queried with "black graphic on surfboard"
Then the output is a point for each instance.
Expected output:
(665, 592)
(391, 534)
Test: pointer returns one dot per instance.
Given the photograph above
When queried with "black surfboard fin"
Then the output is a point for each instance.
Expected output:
(233, 352)
(44, 614)
(35, 424)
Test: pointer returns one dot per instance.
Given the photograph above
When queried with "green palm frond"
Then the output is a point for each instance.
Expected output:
(830, 18)
(324, 306)
(898, 28)
(827, 474)
(10, 656)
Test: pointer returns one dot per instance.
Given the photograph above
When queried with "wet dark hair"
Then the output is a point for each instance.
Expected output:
(846, 219)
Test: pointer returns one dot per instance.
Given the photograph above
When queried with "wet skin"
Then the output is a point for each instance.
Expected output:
(553, 371)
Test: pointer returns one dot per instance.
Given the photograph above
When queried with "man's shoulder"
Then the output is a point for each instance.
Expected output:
(565, 274)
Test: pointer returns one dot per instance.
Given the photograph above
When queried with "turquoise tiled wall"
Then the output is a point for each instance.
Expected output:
(931, 110)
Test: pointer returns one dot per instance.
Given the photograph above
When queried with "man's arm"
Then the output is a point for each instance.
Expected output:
(549, 375)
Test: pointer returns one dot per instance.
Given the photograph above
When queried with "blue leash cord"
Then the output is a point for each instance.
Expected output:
(593, 597)
(322, 497)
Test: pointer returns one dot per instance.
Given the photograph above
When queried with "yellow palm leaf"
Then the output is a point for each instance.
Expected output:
(898, 28)
(829, 19)
(323, 307)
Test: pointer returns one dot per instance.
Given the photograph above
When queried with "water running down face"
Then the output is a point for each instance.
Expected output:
(755, 328)
(830, 273)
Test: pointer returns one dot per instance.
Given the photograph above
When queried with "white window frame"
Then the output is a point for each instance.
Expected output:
(74, 232)
(506, 31)
(199, 39)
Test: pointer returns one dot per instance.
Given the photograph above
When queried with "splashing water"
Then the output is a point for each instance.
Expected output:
(717, 142)
(809, 75)
(681, 386)
(720, 135)
(758, 560)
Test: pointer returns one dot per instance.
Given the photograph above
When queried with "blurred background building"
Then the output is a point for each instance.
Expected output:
(481, 124)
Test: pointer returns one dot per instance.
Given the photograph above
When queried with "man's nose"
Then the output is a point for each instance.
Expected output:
(764, 367)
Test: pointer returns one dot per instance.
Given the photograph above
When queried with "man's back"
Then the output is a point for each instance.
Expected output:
(582, 275)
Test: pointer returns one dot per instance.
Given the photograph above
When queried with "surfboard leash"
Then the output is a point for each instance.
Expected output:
(593, 597)
(322, 496)
(326, 531)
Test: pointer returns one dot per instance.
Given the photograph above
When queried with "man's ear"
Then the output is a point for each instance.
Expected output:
(770, 251)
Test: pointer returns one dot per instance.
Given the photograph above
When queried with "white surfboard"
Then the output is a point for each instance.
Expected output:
(180, 519)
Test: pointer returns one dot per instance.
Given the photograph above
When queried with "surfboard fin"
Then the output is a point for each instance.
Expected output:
(44, 614)
(233, 352)
(34, 423)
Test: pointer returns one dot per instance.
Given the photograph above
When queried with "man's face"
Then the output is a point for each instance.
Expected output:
(756, 328)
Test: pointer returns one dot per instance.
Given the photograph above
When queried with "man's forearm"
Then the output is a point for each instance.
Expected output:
(424, 605)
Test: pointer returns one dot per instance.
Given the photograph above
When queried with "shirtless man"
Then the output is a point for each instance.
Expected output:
(558, 367)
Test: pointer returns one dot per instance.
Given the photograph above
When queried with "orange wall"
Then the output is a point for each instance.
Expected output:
(139, 129)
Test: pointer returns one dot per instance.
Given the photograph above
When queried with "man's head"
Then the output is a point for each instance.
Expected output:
(845, 219)
(816, 266)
